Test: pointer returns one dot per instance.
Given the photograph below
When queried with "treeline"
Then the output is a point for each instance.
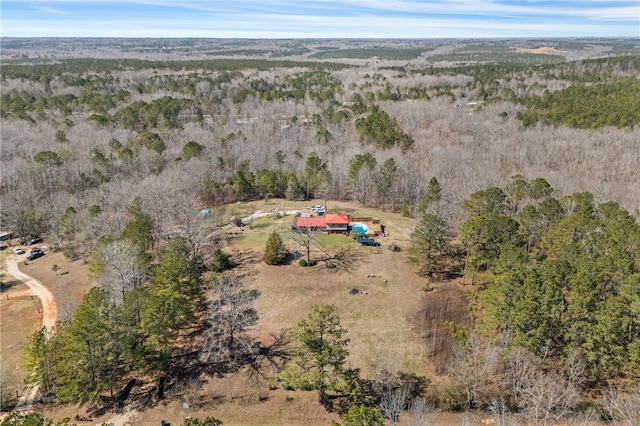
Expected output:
(382, 53)
(35, 72)
(128, 324)
(587, 106)
(559, 277)
(126, 328)
(583, 106)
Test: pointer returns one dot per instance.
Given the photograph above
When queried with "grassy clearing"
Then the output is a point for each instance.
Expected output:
(21, 315)
(398, 228)
(68, 285)
(379, 319)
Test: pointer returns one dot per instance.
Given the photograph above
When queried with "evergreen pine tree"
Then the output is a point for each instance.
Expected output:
(274, 251)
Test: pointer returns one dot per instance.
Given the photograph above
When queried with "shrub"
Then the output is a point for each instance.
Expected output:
(362, 415)
(209, 421)
(405, 210)
(70, 253)
(220, 261)
(394, 247)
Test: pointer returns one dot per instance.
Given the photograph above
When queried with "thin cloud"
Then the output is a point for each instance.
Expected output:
(316, 27)
(323, 18)
(50, 10)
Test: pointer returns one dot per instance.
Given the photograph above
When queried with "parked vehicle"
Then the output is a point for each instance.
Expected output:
(367, 241)
(33, 240)
(18, 250)
(36, 253)
(319, 210)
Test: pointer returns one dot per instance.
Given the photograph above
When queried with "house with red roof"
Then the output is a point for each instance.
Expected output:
(331, 223)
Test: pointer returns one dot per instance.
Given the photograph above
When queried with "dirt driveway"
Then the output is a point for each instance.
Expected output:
(49, 306)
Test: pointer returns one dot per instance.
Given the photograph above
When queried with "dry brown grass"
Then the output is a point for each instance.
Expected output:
(68, 285)
(20, 316)
(380, 322)
(442, 309)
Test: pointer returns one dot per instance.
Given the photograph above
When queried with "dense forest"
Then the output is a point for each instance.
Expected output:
(518, 161)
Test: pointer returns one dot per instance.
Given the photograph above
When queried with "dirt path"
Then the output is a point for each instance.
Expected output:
(49, 317)
(49, 306)
(260, 213)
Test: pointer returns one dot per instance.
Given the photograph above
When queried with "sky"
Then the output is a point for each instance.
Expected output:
(320, 18)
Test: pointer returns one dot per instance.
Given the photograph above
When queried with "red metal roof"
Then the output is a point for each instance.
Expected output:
(338, 219)
(314, 222)
(321, 222)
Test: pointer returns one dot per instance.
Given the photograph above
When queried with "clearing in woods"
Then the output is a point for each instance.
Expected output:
(385, 319)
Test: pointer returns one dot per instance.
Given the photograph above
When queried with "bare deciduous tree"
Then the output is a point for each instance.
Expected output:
(624, 407)
(420, 410)
(472, 367)
(230, 314)
(500, 413)
(547, 398)
(392, 404)
(119, 269)
(542, 396)
(306, 237)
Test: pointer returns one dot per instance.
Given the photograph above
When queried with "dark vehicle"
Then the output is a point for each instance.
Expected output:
(3, 247)
(367, 241)
(33, 240)
(36, 253)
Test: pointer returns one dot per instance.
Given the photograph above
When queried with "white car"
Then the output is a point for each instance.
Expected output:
(18, 250)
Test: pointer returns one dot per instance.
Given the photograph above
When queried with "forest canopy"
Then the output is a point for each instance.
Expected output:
(587, 106)
(147, 168)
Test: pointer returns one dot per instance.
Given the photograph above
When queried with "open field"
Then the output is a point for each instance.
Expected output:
(21, 312)
(97, 132)
(68, 285)
(379, 319)
(21, 315)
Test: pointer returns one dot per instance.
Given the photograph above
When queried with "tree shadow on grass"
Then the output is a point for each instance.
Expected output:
(6, 284)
